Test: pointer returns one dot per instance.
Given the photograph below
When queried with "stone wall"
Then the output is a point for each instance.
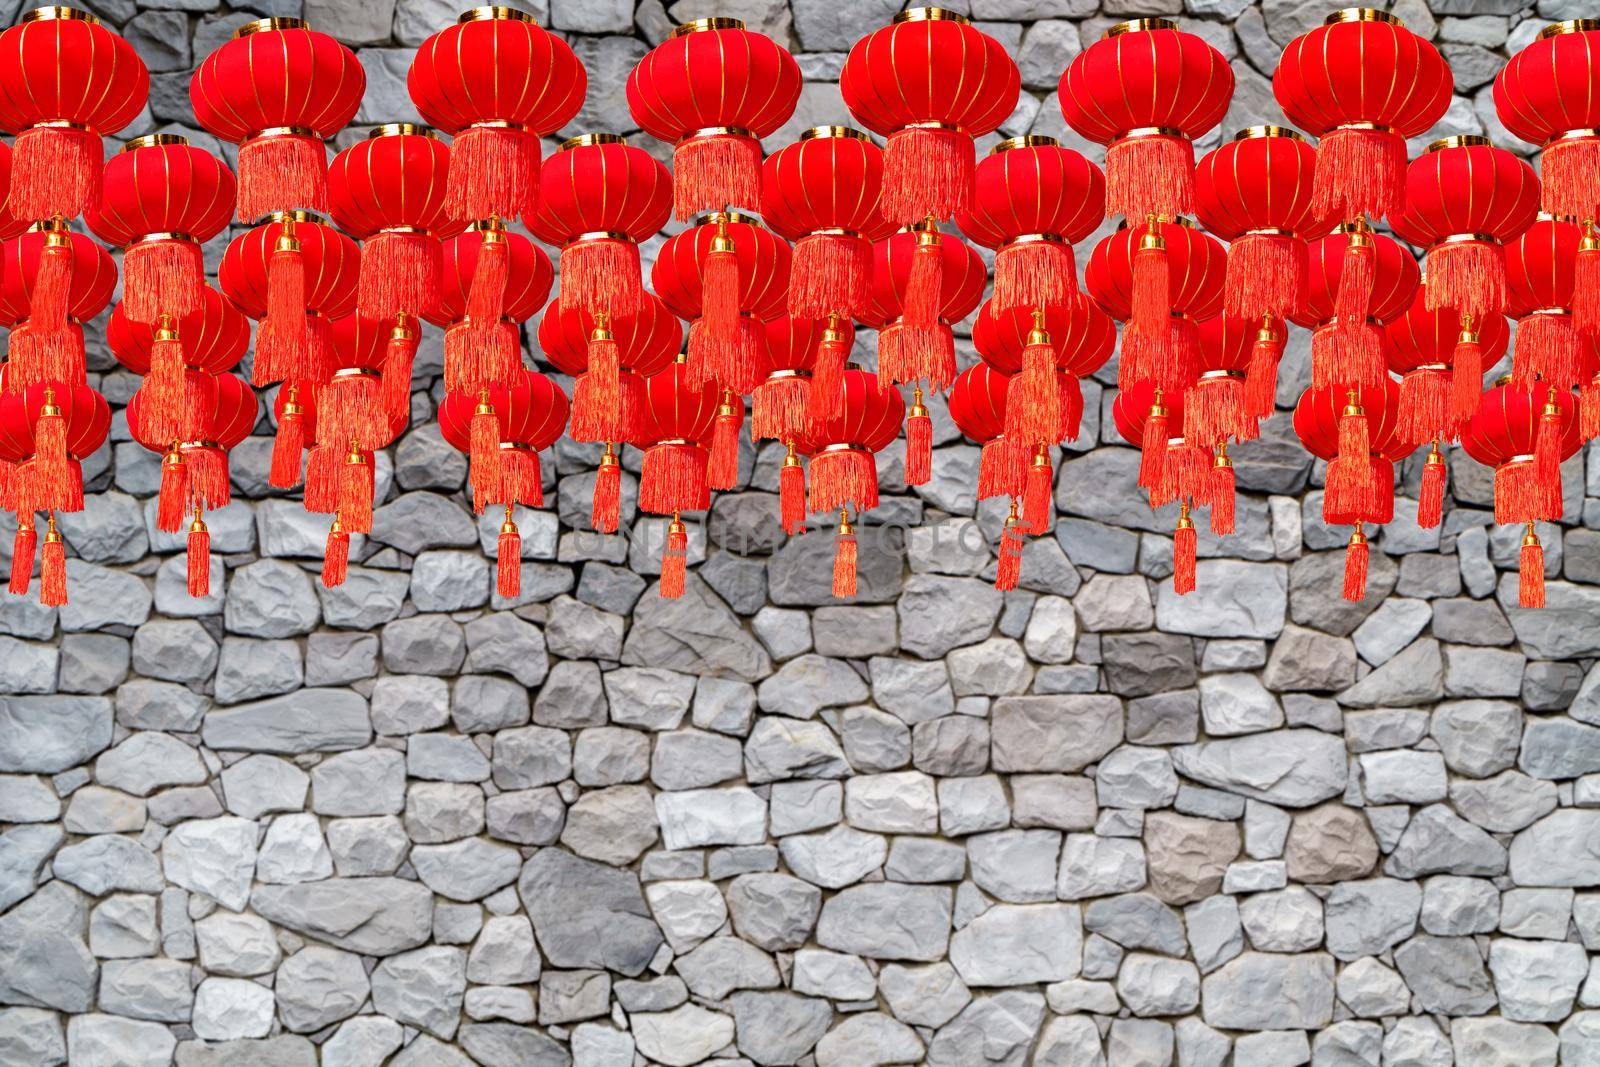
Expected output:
(1084, 823)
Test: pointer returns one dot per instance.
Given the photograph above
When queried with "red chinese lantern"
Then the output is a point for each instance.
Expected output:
(1545, 94)
(979, 398)
(726, 274)
(780, 403)
(278, 89)
(1216, 410)
(46, 321)
(352, 423)
(930, 83)
(1525, 434)
(1168, 353)
(600, 197)
(531, 412)
(1033, 200)
(1153, 419)
(713, 90)
(1146, 91)
(194, 471)
(1422, 345)
(1541, 290)
(65, 82)
(844, 468)
(822, 193)
(1345, 351)
(292, 292)
(47, 430)
(388, 192)
(1354, 429)
(1255, 193)
(675, 424)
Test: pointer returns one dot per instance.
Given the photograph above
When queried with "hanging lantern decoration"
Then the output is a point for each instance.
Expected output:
(388, 192)
(1255, 193)
(1350, 352)
(712, 90)
(725, 275)
(1216, 410)
(67, 82)
(292, 295)
(352, 422)
(978, 402)
(48, 430)
(600, 198)
(1147, 91)
(1033, 201)
(1541, 291)
(915, 341)
(1355, 431)
(779, 405)
(161, 199)
(1153, 420)
(1361, 83)
(194, 471)
(1166, 354)
(675, 424)
(1045, 354)
(46, 343)
(1422, 346)
(1545, 94)
(531, 412)
(1524, 434)
(930, 82)
(278, 89)
(844, 468)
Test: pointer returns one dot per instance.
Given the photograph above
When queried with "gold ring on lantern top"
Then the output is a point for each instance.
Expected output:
(494, 13)
(703, 25)
(584, 140)
(402, 129)
(930, 14)
(1168, 220)
(1138, 26)
(818, 133)
(1360, 14)
(1459, 140)
(265, 25)
(1251, 133)
(153, 140)
(59, 14)
(718, 217)
(296, 215)
(56, 225)
(1557, 29)
(1031, 140)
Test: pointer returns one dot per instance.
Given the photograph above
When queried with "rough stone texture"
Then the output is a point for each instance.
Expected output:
(1088, 823)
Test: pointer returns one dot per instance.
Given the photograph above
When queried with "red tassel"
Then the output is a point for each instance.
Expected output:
(1359, 171)
(1467, 276)
(173, 502)
(792, 494)
(1265, 277)
(927, 173)
(1071, 392)
(161, 277)
(732, 364)
(494, 173)
(1466, 378)
(322, 479)
(1153, 446)
(827, 379)
(605, 508)
(477, 359)
(1516, 497)
(1033, 400)
(843, 477)
(719, 288)
(916, 354)
(778, 406)
(1213, 411)
(487, 292)
(829, 276)
(1151, 174)
(53, 568)
(47, 478)
(1349, 486)
(1430, 501)
(199, 558)
(1036, 509)
(22, 549)
(55, 172)
(1357, 269)
(521, 476)
(1586, 283)
(1425, 399)
(1589, 409)
(484, 456)
(1569, 176)
(1185, 546)
(335, 556)
(1220, 494)
(282, 340)
(723, 470)
(601, 276)
(52, 285)
(350, 409)
(400, 275)
(714, 172)
(287, 444)
(355, 492)
(37, 357)
(282, 172)
(673, 478)
(919, 442)
(161, 401)
(1261, 380)
(1547, 348)
(398, 357)
(1186, 472)
(920, 309)
(1034, 272)
(508, 559)
(844, 559)
(597, 407)
(1008, 570)
(1530, 571)
(1355, 567)
(1343, 357)
(1547, 461)
(674, 560)
(1152, 305)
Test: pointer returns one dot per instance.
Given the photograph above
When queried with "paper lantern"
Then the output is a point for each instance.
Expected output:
(1350, 351)
(642, 342)
(46, 310)
(1541, 291)
(1545, 95)
(844, 471)
(1172, 468)
(915, 303)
